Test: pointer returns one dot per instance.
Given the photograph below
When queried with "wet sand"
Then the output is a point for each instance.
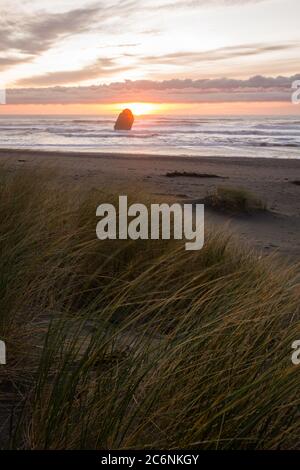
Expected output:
(271, 180)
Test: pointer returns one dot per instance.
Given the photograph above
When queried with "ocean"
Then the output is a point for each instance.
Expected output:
(277, 137)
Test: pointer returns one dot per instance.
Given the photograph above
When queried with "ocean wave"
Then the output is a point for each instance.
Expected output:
(276, 144)
(94, 121)
(189, 135)
(109, 136)
(18, 129)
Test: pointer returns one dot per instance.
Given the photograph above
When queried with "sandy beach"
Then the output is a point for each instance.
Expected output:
(271, 180)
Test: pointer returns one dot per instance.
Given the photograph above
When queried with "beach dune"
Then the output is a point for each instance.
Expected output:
(271, 180)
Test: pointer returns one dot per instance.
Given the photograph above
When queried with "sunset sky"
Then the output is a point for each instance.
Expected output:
(196, 55)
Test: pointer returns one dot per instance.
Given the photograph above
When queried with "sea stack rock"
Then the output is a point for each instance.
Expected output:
(124, 121)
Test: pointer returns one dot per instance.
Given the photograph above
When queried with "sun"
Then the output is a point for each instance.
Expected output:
(140, 108)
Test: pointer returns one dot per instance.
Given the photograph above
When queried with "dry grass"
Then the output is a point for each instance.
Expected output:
(234, 200)
(138, 344)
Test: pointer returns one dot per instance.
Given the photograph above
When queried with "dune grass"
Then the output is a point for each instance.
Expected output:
(126, 344)
(234, 200)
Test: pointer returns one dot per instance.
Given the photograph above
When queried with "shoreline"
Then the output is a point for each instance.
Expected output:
(277, 230)
(136, 156)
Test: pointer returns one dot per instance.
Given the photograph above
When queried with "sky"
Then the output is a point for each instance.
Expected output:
(90, 56)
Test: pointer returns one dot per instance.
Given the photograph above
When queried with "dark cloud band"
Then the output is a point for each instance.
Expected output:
(258, 88)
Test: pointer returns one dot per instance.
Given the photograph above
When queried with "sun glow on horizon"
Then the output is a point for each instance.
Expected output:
(140, 108)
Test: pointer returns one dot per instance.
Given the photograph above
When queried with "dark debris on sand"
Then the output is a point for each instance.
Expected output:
(192, 174)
